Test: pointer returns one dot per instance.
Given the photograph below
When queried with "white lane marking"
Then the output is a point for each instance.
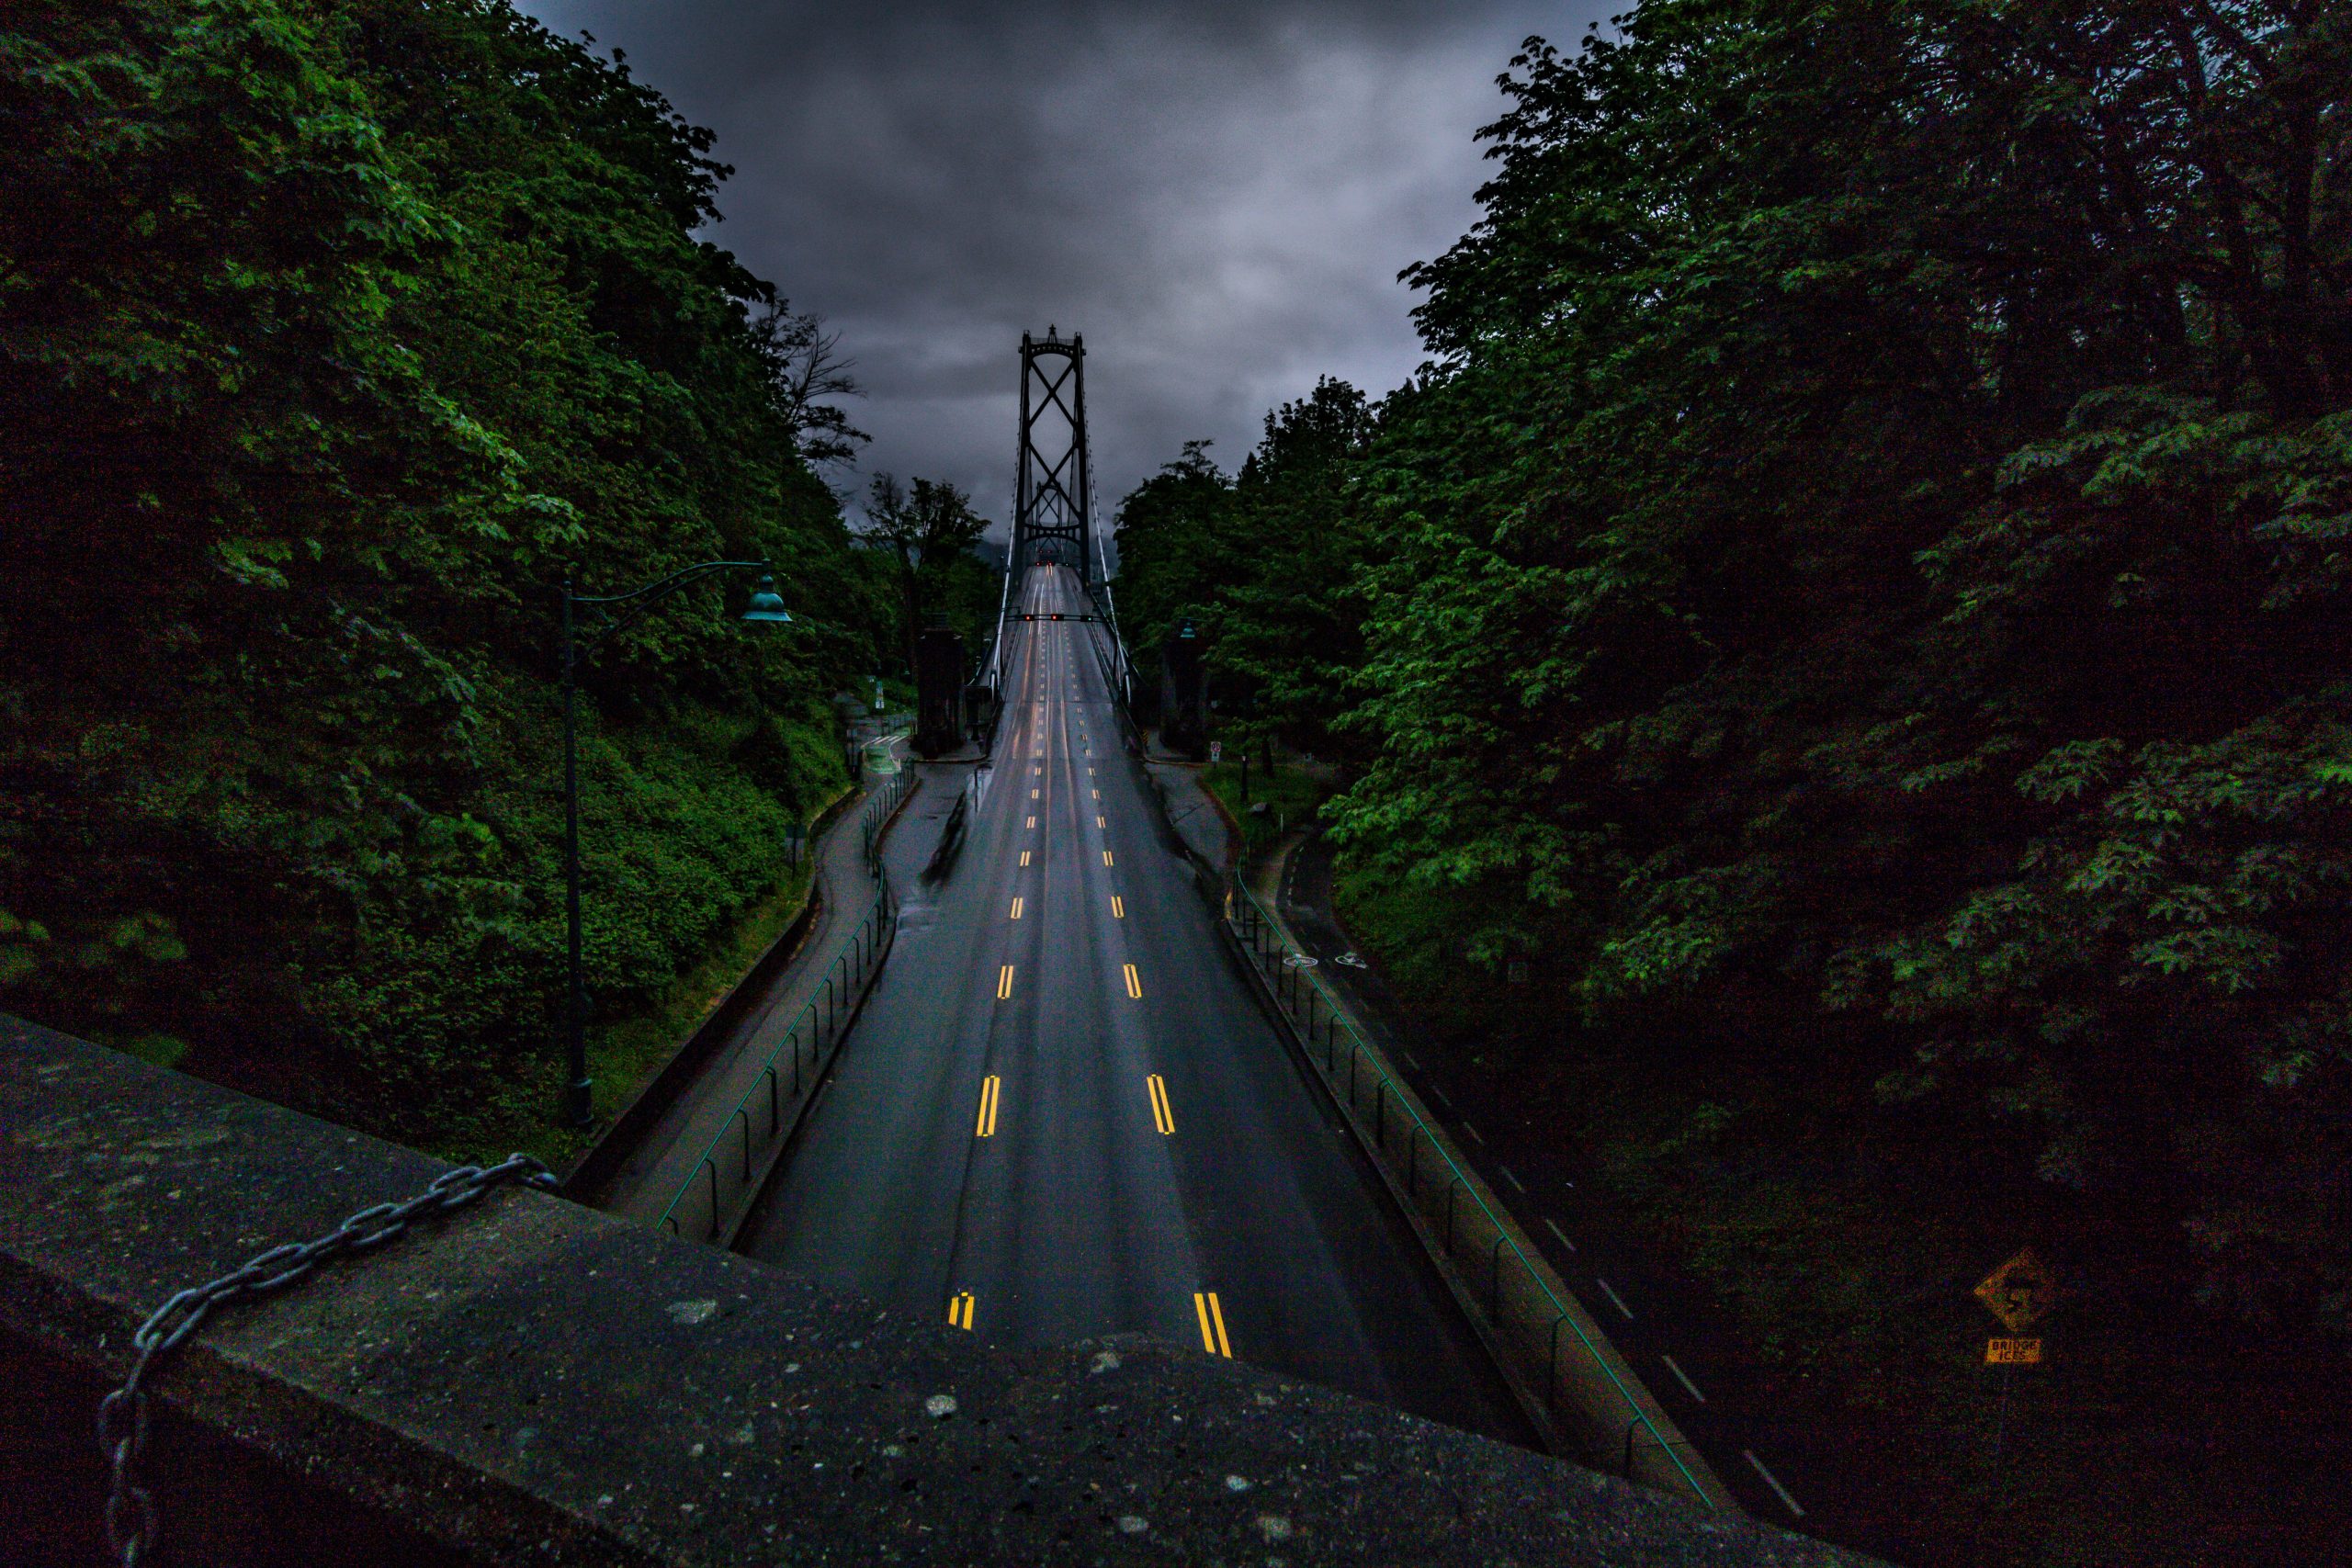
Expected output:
(1614, 1297)
(1772, 1481)
(1514, 1181)
(1409, 1059)
(1439, 1095)
(1561, 1233)
(1684, 1378)
(1474, 1132)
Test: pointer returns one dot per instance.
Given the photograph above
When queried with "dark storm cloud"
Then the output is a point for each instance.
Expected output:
(1218, 194)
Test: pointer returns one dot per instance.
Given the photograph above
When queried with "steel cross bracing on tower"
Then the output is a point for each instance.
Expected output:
(1054, 506)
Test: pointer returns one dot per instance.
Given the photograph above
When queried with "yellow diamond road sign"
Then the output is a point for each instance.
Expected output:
(2018, 1292)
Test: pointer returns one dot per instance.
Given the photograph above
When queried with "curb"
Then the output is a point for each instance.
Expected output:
(782, 1138)
(584, 1182)
(1554, 1441)
(727, 1219)
(1588, 1429)
(1594, 1427)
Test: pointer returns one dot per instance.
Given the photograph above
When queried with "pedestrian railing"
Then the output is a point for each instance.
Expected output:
(711, 1203)
(887, 797)
(1542, 1334)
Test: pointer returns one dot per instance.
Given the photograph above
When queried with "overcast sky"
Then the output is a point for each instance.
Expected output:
(1217, 193)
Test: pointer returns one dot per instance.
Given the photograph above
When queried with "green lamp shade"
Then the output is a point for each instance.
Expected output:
(765, 607)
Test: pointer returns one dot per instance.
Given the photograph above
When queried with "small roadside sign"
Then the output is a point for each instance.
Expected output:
(2018, 1292)
(1216, 751)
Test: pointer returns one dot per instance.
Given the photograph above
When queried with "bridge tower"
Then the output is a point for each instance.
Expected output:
(1053, 508)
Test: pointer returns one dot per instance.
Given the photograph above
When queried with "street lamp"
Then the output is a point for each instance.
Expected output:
(765, 609)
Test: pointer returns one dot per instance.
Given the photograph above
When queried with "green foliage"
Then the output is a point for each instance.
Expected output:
(1261, 563)
(1290, 798)
(1416, 933)
(329, 336)
(926, 532)
(1864, 571)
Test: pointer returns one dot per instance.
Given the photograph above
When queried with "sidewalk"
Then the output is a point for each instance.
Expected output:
(1192, 812)
(842, 891)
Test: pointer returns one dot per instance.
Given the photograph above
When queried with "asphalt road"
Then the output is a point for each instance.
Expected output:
(1063, 1115)
(1782, 1464)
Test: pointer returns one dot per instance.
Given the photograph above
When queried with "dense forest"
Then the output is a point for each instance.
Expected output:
(1855, 601)
(331, 335)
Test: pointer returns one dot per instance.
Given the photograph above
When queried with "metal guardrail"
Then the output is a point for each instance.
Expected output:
(1525, 1316)
(733, 1165)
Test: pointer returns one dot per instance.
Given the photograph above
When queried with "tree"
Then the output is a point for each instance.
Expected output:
(1286, 631)
(1868, 548)
(926, 527)
(1264, 562)
(329, 336)
(1176, 543)
(809, 371)
(1859, 585)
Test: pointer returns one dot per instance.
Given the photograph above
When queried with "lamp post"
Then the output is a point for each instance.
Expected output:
(765, 609)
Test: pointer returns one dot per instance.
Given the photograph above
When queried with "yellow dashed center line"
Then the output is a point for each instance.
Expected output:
(1162, 1117)
(1135, 987)
(959, 1310)
(1016, 909)
(1212, 1318)
(1033, 795)
(1004, 983)
(1025, 854)
(1106, 857)
(1119, 907)
(990, 1087)
(1099, 822)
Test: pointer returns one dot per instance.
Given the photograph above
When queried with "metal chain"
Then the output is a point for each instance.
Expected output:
(132, 1518)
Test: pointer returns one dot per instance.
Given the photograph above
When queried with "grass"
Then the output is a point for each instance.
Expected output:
(1290, 795)
(625, 1052)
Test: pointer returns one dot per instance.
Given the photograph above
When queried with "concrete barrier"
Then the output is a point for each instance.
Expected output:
(529, 1381)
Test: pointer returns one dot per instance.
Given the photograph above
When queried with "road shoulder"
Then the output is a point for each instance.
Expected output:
(1574, 1383)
